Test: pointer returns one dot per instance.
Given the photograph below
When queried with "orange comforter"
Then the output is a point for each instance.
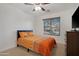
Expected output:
(45, 46)
(38, 44)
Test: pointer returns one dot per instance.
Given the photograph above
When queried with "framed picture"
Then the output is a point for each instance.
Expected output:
(52, 26)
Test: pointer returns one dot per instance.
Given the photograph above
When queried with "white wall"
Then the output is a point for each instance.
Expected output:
(65, 23)
(11, 20)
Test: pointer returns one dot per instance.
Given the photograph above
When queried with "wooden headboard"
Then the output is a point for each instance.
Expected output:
(22, 31)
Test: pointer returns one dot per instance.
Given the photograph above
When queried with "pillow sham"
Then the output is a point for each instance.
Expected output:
(23, 34)
(30, 33)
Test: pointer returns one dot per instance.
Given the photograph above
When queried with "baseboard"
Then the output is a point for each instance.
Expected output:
(4, 49)
(59, 42)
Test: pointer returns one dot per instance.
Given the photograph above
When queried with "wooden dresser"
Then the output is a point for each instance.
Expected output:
(72, 43)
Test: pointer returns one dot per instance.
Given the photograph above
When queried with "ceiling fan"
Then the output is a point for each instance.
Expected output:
(38, 6)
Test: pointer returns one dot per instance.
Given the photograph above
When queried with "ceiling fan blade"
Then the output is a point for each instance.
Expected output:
(42, 8)
(36, 3)
(28, 3)
(45, 3)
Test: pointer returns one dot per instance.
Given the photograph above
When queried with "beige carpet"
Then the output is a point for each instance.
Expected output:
(20, 51)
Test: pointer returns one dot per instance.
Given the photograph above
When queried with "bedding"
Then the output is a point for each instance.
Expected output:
(23, 34)
(42, 45)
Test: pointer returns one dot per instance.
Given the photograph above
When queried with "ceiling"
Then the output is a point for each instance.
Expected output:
(51, 8)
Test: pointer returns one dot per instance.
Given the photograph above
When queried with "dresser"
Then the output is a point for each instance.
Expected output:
(72, 43)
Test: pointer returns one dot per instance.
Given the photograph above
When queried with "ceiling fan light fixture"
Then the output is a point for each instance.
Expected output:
(37, 8)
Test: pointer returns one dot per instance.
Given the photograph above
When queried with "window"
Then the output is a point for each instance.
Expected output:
(52, 26)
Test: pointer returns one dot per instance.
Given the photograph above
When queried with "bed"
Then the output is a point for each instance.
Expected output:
(39, 44)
